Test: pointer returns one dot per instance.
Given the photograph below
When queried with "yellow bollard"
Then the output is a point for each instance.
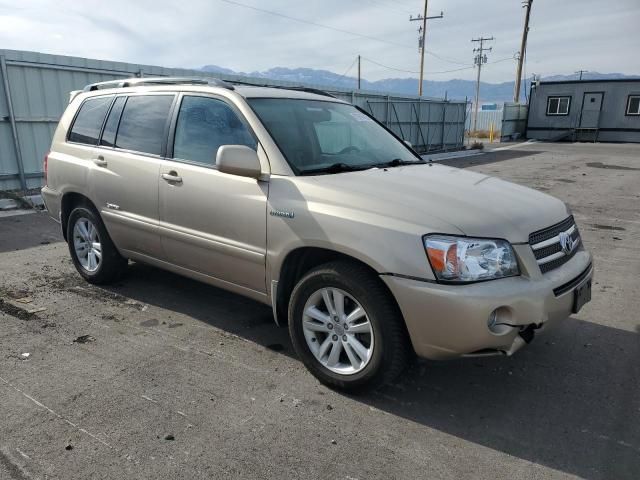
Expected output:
(491, 133)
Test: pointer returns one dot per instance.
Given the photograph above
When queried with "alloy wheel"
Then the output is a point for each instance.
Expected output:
(86, 243)
(338, 331)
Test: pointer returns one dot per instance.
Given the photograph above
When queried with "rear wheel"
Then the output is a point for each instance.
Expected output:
(346, 327)
(92, 251)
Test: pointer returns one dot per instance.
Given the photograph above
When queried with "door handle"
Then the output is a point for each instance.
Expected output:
(172, 177)
(100, 161)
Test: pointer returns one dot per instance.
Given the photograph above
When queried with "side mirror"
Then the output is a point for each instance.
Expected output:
(238, 160)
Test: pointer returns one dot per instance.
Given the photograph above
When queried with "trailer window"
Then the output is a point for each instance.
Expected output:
(633, 105)
(558, 105)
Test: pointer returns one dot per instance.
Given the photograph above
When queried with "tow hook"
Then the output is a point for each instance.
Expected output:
(528, 332)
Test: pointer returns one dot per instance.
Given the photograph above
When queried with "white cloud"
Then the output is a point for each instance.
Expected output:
(564, 36)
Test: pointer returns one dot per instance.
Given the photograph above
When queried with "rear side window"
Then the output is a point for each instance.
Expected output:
(88, 122)
(203, 126)
(111, 127)
(143, 122)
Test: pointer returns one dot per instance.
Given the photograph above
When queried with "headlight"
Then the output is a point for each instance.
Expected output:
(462, 259)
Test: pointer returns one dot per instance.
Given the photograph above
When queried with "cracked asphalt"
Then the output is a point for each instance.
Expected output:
(163, 377)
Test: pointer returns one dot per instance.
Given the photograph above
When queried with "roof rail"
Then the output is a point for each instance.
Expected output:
(150, 81)
(299, 89)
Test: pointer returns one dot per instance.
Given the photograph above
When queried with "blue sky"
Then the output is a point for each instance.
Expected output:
(566, 35)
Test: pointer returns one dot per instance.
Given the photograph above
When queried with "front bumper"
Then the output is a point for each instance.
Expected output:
(448, 321)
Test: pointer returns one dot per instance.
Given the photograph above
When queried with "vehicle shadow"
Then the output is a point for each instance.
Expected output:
(569, 401)
(227, 311)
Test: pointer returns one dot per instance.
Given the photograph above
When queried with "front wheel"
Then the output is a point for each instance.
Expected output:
(346, 327)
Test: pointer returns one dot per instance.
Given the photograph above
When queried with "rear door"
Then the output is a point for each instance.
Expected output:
(126, 165)
(591, 107)
(212, 222)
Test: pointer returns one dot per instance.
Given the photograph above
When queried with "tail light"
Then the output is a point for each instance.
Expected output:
(45, 165)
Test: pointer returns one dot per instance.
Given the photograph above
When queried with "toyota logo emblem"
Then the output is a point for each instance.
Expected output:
(566, 243)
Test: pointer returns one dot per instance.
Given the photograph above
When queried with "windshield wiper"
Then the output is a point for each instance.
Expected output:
(335, 168)
(398, 162)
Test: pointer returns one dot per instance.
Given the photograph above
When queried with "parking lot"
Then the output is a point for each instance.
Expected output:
(163, 377)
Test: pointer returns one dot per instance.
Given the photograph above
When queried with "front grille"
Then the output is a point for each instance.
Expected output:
(548, 248)
(552, 231)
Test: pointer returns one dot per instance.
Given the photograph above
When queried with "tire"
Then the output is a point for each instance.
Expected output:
(386, 348)
(107, 265)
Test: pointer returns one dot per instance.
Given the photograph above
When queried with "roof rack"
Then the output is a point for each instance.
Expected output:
(300, 89)
(150, 81)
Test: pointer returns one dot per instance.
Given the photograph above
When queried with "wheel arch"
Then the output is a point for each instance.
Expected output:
(297, 263)
(69, 201)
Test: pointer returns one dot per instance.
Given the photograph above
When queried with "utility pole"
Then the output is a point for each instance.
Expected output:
(358, 72)
(479, 60)
(421, 39)
(580, 72)
(523, 50)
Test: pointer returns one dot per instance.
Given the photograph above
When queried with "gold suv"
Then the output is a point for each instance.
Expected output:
(301, 201)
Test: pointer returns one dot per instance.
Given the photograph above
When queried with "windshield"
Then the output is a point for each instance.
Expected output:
(326, 137)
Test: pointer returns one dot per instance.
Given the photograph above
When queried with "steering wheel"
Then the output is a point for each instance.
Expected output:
(349, 149)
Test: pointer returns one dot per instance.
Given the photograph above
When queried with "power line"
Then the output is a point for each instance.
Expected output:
(339, 30)
(315, 24)
(387, 66)
(397, 2)
(501, 60)
(435, 55)
(349, 69)
(469, 67)
(451, 71)
(388, 6)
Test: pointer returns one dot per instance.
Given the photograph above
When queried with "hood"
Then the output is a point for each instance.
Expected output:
(441, 199)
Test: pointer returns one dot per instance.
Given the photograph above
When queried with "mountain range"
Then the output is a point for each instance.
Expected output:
(453, 89)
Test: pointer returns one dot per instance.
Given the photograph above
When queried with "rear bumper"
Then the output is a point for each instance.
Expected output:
(448, 321)
(52, 201)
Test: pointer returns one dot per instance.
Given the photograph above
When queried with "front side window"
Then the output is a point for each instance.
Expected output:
(88, 122)
(318, 136)
(558, 105)
(203, 126)
(633, 105)
(143, 123)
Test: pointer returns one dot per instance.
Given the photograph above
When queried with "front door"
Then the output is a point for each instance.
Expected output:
(591, 107)
(212, 222)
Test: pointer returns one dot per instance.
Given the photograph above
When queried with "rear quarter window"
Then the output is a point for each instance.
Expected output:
(143, 123)
(88, 122)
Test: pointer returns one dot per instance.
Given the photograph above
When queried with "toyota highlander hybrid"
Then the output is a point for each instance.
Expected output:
(296, 199)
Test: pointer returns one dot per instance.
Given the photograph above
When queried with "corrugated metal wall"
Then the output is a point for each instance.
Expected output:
(39, 85)
(514, 121)
(510, 122)
(486, 118)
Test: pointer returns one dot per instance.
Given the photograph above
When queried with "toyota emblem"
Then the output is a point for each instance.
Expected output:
(566, 243)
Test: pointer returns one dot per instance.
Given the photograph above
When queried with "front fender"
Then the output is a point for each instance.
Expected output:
(299, 217)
